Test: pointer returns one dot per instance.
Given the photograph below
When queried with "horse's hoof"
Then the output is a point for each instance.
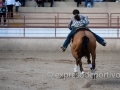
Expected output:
(85, 75)
(76, 74)
(90, 68)
(94, 76)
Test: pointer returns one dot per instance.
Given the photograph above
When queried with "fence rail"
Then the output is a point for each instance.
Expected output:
(34, 24)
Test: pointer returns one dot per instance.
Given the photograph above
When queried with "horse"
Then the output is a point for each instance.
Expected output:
(84, 44)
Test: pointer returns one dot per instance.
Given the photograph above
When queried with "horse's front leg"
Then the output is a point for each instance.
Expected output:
(80, 65)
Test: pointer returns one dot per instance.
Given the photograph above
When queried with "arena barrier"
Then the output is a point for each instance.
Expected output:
(48, 33)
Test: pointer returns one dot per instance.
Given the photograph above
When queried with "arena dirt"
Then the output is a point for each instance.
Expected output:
(53, 70)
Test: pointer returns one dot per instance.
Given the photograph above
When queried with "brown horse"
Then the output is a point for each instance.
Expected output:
(84, 44)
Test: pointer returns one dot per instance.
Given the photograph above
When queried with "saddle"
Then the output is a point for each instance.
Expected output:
(81, 28)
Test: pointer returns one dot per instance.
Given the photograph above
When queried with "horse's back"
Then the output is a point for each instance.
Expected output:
(80, 34)
(91, 37)
(92, 40)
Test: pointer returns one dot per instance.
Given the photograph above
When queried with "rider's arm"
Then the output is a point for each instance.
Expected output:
(69, 24)
(85, 20)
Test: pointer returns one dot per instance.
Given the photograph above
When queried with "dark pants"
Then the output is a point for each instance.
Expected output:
(16, 8)
(10, 10)
(22, 3)
(78, 2)
(67, 41)
(4, 16)
(38, 3)
(51, 1)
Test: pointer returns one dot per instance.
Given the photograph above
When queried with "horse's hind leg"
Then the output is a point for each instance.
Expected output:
(93, 59)
(80, 65)
(89, 61)
(93, 64)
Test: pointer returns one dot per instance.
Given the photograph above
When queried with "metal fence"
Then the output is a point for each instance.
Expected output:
(54, 25)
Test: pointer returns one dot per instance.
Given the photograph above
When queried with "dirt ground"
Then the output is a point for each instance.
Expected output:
(50, 70)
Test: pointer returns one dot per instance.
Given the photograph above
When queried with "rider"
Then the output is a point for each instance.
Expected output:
(74, 24)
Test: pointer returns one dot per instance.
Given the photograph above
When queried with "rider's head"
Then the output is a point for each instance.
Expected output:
(75, 11)
(77, 17)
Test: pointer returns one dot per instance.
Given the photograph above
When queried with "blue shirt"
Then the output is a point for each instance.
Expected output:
(74, 23)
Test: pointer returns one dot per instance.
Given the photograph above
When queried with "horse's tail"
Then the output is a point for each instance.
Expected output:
(83, 46)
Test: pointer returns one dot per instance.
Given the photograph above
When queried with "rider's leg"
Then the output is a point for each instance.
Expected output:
(67, 41)
(43, 3)
(51, 1)
(79, 2)
(98, 38)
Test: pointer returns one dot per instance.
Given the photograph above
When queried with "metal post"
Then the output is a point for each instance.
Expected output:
(57, 19)
(55, 26)
(118, 26)
(24, 26)
(108, 20)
